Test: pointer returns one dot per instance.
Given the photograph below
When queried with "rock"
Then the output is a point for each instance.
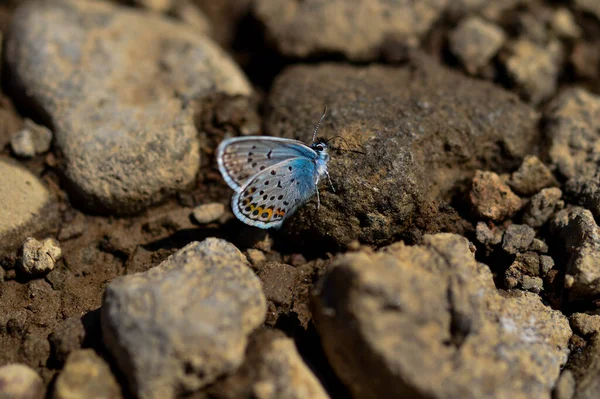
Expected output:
(542, 206)
(488, 236)
(278, 281)
(572, 123)
(538, 246)
(585, 59)
(226, 17)
(255, 256)
(38, 257)
(86, 375)
(189, 13)
(356, 29)
(121, 117)
(273, 369)
(578, 239)
(412, 123)
(200, 304)
(31, 140)
(531, 177)
(208, 213)
(564, 24)
(585, 324)
(565, 386)
(533, 69)
(71, 334)
(524, 272)
(491, 198)
(517, 238)
(427, 321)
(18, 381)
(546, 263)
(591, 6)
(32, 207)
(475, 42)
(586, 370)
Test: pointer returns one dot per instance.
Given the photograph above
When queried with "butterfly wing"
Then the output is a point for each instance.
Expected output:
(276, 193)
(241, 158)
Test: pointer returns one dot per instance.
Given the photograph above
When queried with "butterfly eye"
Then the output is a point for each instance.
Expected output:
(319, 147)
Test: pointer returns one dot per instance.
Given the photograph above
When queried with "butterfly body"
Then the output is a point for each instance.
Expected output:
(272, 176)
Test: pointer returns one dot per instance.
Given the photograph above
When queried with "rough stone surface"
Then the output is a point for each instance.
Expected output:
(533, 69)
(31, 140)
(572, 123)
(28, 206)
(564, 24)
(427, 321)
(208, 213)
(586, 370)
(200, 304)
(273, 369)
(565, 386)
(39, 257)
(542, 206)
(524, 272)
(357, 29)
(18, 381)
(578, 239)
(585, 324)
(492, 198)
(422, 128)
(531, 177)
(73, 333)
(114, 84)
(475, 42)
(279, 281)
(517, 238)
(86, 375)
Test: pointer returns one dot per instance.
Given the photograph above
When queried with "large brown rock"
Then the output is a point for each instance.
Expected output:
(422, 128)
(114, 84)
(183, 324)
(427, 321)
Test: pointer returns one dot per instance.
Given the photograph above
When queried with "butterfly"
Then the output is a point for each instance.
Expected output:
(272, 176)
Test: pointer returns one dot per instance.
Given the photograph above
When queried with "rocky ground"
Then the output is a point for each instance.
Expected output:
(459, 256)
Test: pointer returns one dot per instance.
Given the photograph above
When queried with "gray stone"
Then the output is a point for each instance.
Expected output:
(356, 29)
(546, 263)
(572, 124)
(86, 375)
(32, 207)
(208, 213)
(533, 69)
(200, 305)
(273, 369)
(18, 381)
(475, 42)
(542, 206)
(116, 84)
(422, 128)
(531, 177)
(428, 321)
(538, 246)
(578, 239)
(517, 238)
(31, 140)
(38, 257)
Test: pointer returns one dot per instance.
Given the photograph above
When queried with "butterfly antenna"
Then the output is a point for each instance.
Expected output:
(343, 149)
(319, 124)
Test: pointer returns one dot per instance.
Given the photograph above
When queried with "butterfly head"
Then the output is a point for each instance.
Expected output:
(320, 146)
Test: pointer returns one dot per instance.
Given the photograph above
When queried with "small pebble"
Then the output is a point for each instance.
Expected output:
(517, 238)
(492, 198)
(475, 42)
(533, 284)
(208, 213)
(531, 177)
(39, 256)
(255, 256)
(538, 246)
(546, 263)
(18, 381)
(31, 140)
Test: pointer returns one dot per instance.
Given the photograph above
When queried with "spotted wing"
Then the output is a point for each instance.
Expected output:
(241, 158)
(276, 193)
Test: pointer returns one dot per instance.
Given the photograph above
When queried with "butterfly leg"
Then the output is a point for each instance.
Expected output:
(318, 199)
(330, 182)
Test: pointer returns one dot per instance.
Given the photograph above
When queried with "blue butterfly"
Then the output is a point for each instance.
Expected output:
(272, 176)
